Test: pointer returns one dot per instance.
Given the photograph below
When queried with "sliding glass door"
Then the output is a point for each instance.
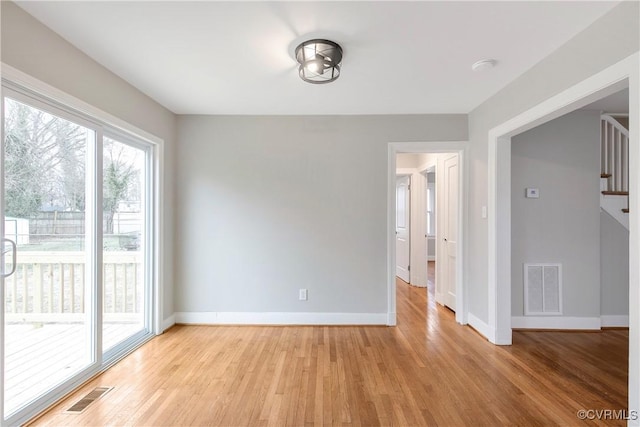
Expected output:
(76, 199)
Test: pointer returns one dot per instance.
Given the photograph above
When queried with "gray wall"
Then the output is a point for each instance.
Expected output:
(610, 39)
(614, 266)
(562, 159)
(34, 49)
(268, 205)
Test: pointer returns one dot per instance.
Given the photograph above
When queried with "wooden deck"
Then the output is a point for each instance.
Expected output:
(428, 370)
(41, 355)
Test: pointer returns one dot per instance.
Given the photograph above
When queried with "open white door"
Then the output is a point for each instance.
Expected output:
(450, 230)
(403, 204)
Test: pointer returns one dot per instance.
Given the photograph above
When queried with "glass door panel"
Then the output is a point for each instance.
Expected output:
(124, 241)
(48, 318)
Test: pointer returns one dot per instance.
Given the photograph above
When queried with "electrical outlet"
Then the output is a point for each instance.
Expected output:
(303, 295)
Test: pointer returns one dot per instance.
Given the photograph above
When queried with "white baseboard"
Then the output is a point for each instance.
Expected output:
(431, 258)
(285, 318)
(478, 325)
(555, 322)
(503, 336)
(614, 321)
(391, 319)
(168, 322)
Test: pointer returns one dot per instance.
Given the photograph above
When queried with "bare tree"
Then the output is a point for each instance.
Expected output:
(120, 175)
(44, 161)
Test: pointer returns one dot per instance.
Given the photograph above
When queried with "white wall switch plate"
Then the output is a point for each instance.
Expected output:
(303, 294)
(484, 212)
(533, 193)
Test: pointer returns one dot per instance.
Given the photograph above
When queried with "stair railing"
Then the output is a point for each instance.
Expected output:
(614, 155)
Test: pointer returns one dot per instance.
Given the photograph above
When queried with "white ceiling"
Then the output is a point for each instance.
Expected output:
(237, 57)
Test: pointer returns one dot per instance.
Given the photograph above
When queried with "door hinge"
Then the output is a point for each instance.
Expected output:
(408, 268)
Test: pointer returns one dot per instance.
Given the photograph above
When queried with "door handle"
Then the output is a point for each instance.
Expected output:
(14, 258)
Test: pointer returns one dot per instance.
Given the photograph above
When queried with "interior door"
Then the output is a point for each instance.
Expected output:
(403, 218)
(450, 234)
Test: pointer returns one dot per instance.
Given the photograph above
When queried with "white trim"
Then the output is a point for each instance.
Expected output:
(614, 321)
(417, 285)
(391, 319)
(431, 258)
(280, 318)
(634, 237)
(556, 322)
(168, 322)
(481, 327)
(459, 147)
(2, 279)
(606, 82)
(158, 238)
(391, 234)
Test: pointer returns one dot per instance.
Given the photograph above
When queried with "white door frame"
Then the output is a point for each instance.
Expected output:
(394, 148)
(604, 83)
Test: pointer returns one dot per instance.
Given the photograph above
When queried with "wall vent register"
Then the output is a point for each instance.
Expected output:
(542, 289)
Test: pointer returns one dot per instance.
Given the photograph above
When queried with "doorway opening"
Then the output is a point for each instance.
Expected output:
(426, 221)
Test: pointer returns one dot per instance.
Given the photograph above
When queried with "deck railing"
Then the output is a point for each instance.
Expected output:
(53, 286)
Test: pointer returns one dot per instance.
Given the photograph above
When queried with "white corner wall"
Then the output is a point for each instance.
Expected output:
(270, 205)
(34, 49)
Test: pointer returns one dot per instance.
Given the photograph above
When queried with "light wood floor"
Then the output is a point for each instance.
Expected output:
(426, 371)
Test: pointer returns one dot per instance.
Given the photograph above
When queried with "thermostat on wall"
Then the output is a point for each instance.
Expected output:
(533, 193)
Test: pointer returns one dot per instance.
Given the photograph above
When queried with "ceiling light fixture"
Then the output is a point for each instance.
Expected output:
(319, 61)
